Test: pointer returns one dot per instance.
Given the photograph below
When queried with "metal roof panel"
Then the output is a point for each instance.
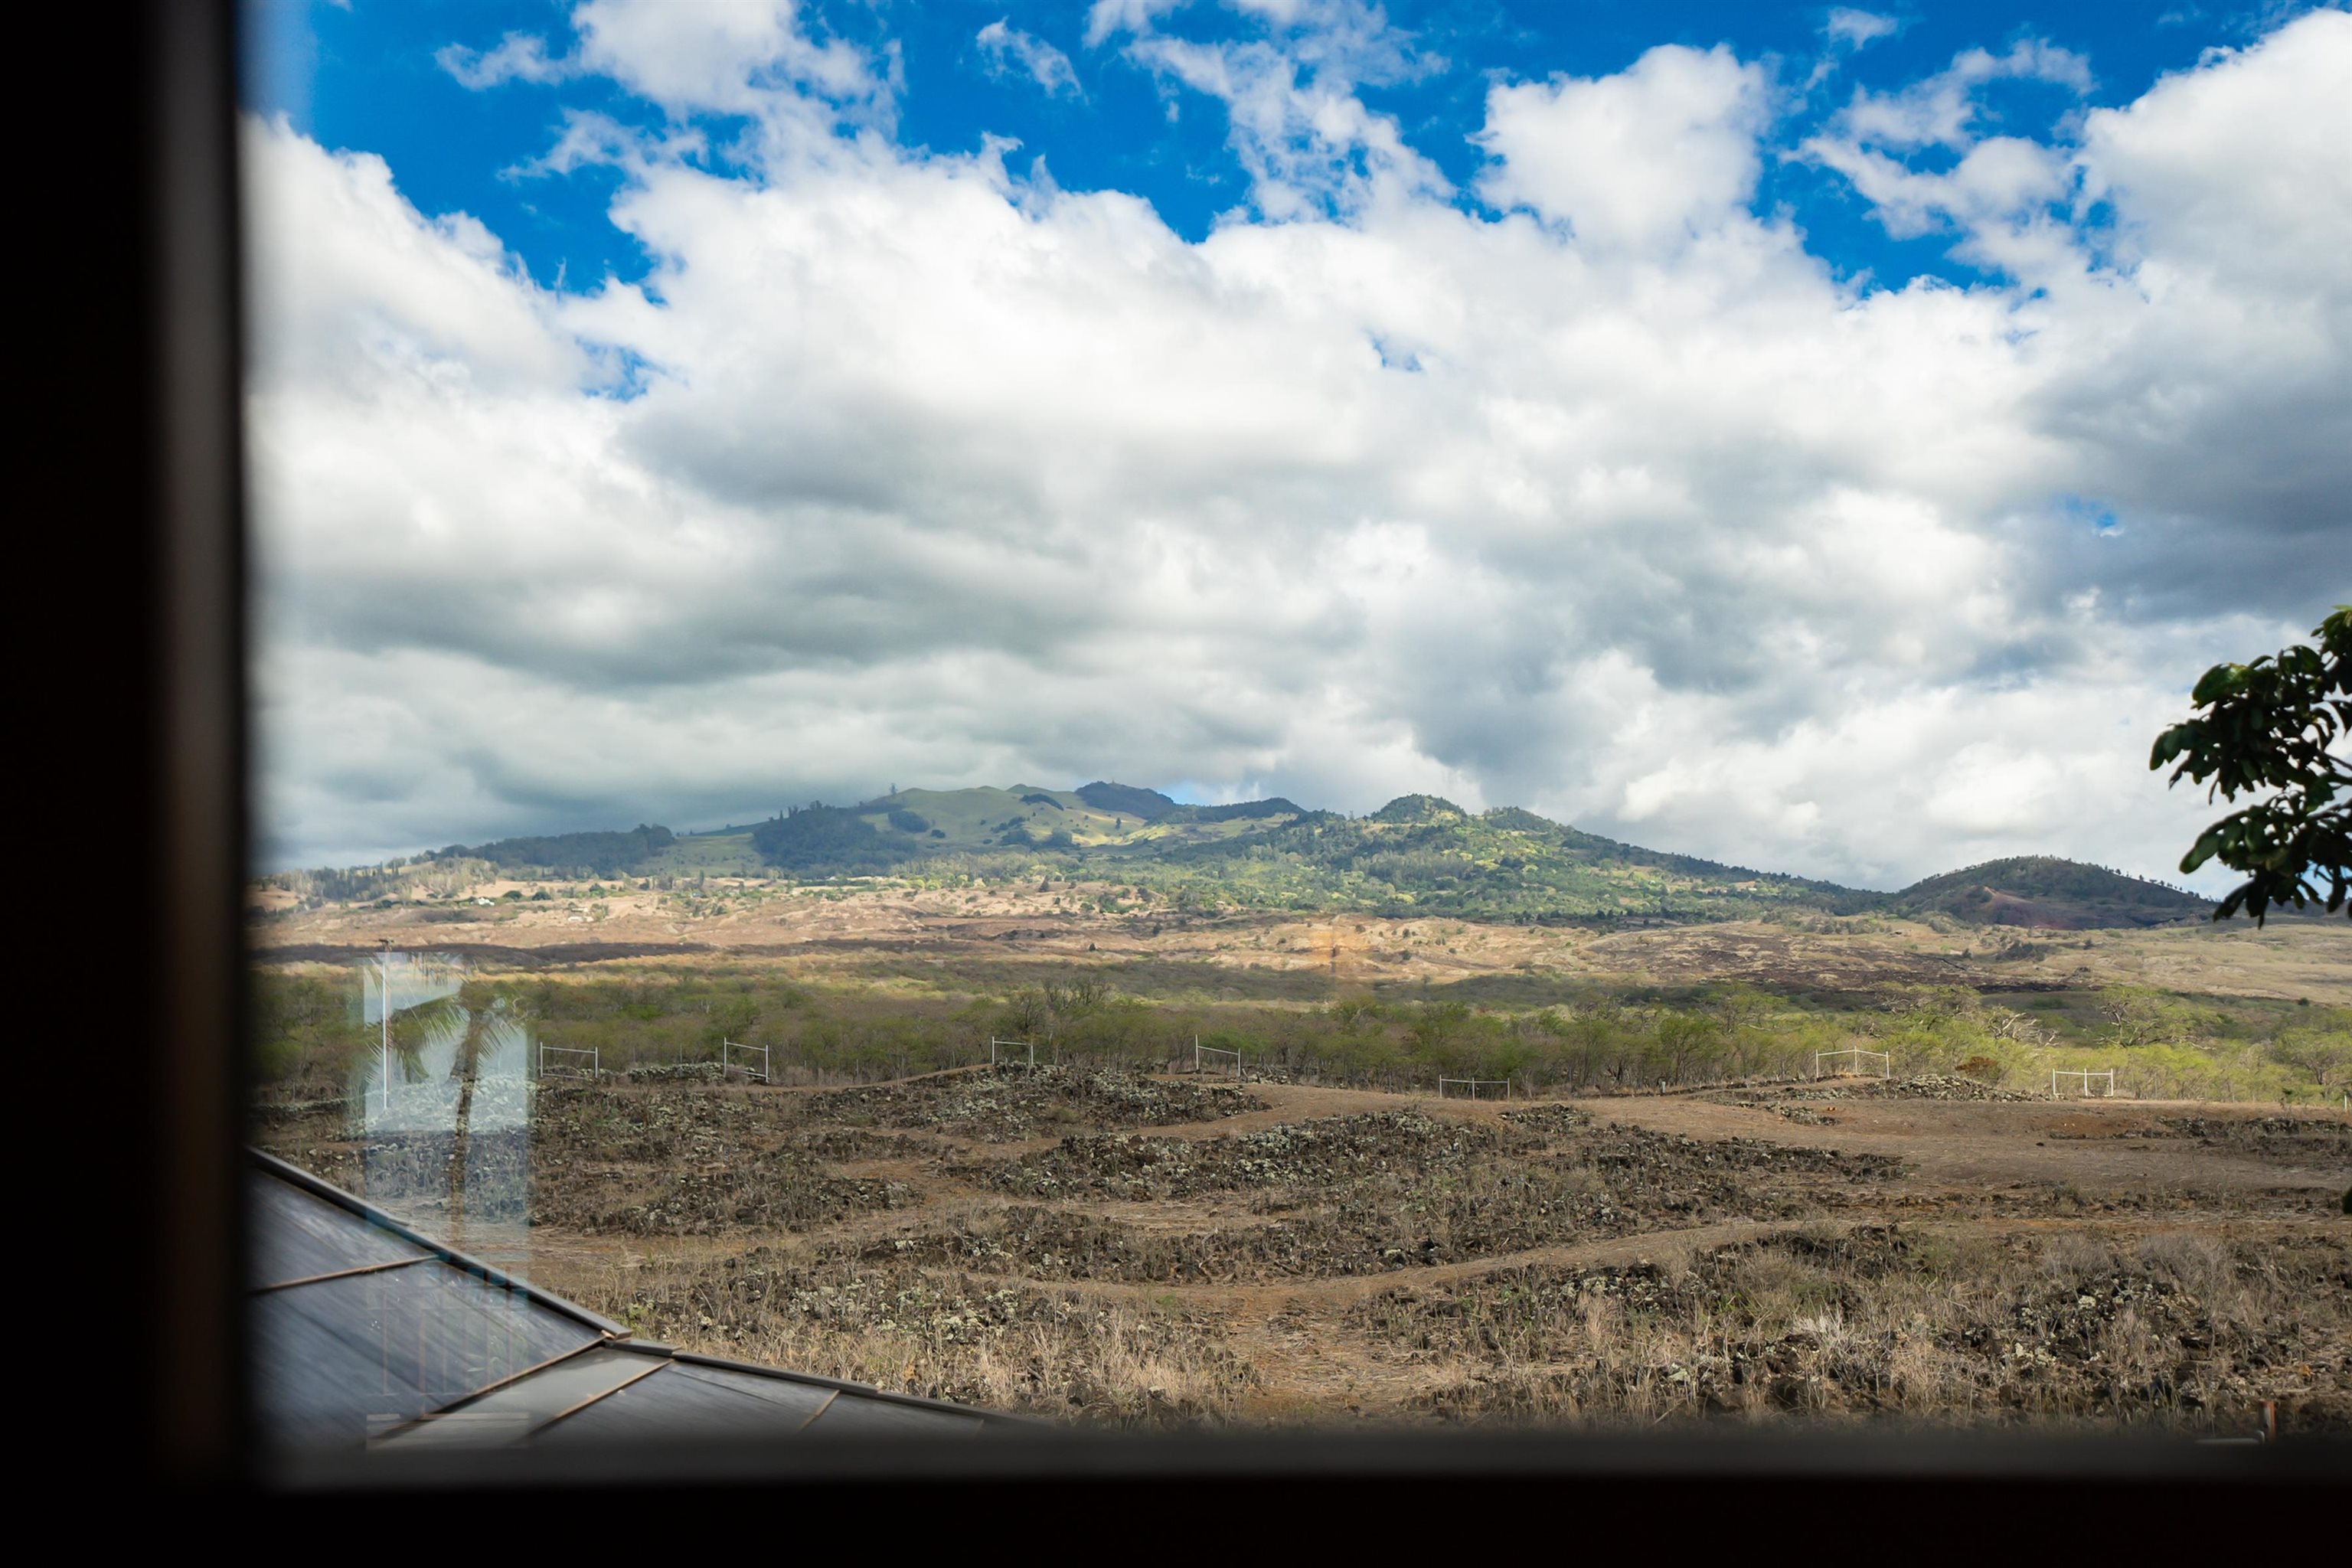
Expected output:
(675, 1405)
(367, 1332)
(852, 1415)
(514, 1411)
(342, 1358)
(295, 1237)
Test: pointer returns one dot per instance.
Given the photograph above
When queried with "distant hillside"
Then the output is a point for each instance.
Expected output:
(2042, 891)
(1425, 854)
(1419, 854)
(591, 854)
(1148, 805)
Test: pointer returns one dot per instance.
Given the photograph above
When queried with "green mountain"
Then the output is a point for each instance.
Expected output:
(1418, 854)
(2044, 891)
(600, 854)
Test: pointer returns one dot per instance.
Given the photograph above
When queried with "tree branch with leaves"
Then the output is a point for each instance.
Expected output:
(2276, 729)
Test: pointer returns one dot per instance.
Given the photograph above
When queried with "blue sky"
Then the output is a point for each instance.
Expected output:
(361, 74)
(1827, 439)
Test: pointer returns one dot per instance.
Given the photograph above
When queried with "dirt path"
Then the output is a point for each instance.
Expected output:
(1956, 1153)
(1980, 1145)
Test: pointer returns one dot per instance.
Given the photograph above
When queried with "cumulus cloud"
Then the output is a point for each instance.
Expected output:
(1008, 49)
(733, 57)
(2240, 166)
(1292, 97)
(2179, 265)
(1609, 498)
(751, 58)
(1663, 151)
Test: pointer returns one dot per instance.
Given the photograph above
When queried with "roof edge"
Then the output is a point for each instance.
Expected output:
(617, 1336)
(316, 1188)
(863, 1389)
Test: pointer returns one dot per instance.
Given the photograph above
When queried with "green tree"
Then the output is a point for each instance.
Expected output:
(2274, 729)
(2326, 1054)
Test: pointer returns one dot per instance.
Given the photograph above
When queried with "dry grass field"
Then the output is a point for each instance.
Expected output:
(820, 931)
(1116, 1245)
(1153, 1251)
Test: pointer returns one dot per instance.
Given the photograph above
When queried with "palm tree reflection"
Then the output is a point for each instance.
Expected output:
(446, 1141)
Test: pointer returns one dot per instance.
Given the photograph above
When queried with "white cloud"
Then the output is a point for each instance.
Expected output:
(2242, 165)
(1295, 120)
(730, 56)
(1663, 151)
(520, 56)
(2193, 306)
(1622, 507)
(1942, 110)
(1009, 49)
(1107, 18)
(1847, 31)
(1994, 182)
(359, 284)
(1851, 29)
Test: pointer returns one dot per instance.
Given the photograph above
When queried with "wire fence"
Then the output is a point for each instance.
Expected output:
(728, 1050)
(1862, 1058)
(571, 1062)
(1203, 1055)
(1472, 1086)
(2083, 1080)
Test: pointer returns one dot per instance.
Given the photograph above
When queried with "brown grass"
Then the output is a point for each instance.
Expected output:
(1346, 1255)
(1008, 1347)
(2178, 1330)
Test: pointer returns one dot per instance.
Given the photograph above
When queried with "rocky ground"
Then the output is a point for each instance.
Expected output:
(1925, 1086)
(1142, 1251)
(1016, 1104)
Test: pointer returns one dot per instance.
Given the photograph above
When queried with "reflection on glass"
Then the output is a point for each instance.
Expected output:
(441, 1106)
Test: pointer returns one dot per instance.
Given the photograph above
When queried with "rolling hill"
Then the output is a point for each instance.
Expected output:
(2044, 891)
(1418, 854)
